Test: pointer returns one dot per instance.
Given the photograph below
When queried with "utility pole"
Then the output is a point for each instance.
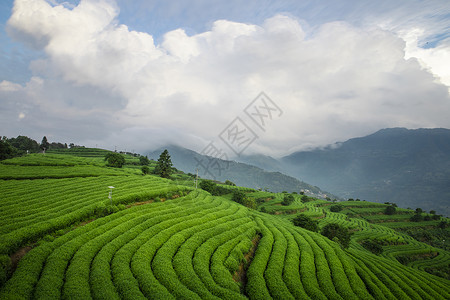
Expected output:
(196, 179)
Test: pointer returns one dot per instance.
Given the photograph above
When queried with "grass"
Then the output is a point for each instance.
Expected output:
(184, 243)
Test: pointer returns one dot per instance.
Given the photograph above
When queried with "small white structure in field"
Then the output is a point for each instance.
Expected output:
(110, 193)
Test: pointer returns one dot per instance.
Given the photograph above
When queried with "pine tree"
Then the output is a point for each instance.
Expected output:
(164, 165)
(44, 144)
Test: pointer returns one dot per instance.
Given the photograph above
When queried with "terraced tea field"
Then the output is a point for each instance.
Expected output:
(161, 240)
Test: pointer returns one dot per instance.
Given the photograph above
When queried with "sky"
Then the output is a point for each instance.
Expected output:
(239, 77)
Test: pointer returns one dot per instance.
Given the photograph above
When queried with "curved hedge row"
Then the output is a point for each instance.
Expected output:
(191, 246)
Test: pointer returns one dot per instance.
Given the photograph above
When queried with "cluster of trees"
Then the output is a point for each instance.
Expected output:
(418, 217)
(12, 147)
(333, 231)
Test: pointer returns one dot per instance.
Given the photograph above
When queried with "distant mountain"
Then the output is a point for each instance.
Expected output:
(240, 173)
(408, 167)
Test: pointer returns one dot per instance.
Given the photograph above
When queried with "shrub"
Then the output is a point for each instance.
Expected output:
(373, 246)
(115, 160)
(306, 222)
(416, 218)
(287, 200)
(209, 186)
(334, 230)
(336, 208)
(145, 170)
(389, 210)
(238, 196)
(144, 161)
(228, 182)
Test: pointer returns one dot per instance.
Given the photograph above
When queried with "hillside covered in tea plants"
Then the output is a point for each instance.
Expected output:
(156, 238)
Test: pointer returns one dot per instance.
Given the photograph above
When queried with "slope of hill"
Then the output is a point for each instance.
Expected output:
(156, 239)
(240, 173)
(408, 167)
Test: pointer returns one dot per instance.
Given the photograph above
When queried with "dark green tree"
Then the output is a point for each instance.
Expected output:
(24, 143)
(6, 150)
(373, 246)
(336, 232)
(416, 218)
(164, 165)
(45, 144)
(238, 196)
(306, 222)
(209, 186)
(145, 170)
(389, 210)
(144, 161)
(287, 200)
(115, 160)
(336, 208)
(228, 182)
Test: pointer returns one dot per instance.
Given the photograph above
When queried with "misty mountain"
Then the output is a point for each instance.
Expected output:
(408, 167)
(240, 173)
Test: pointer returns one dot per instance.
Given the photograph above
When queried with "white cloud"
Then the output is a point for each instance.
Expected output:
(333, 84)
(7, 86)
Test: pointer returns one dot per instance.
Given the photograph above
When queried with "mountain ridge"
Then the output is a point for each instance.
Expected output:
(406, 166)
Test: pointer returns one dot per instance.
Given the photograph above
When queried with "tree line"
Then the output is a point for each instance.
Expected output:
(12, 147)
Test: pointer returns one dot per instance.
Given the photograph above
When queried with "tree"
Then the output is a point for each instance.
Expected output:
(6, 150)
(306, 222)
(228, 182)
(144, 161)
(164, 165)
(238, 196)
(416, 218)
(115, 160)
(145, 170)
(373, 246)
(389, 210)
(287, 200)
(336, 208)
(24, 143)
(336, 232)
(44, 144)
(209, 186)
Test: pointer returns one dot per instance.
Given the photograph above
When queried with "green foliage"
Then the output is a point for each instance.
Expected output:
(306, 222)
(334, 230)
(45, 145)
(373, 246)
(228, 182)
(6, 150)
(164, 165)
(287, 200)
(390, 210)
(190, 247)
(336, 208)
(144, 161)
(115, 160)
(24, 144)
(416, 218)
(238, 196)
(306, 199)
(209, 186)
(145, 170)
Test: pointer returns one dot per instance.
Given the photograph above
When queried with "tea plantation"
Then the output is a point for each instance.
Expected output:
(61, 237)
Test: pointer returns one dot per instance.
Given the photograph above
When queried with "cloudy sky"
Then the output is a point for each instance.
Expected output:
(140, 74)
